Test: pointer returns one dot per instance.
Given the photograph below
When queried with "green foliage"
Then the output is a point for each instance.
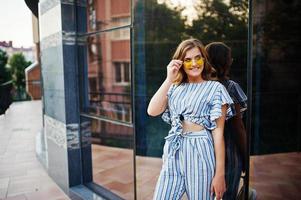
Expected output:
(219, 21)
(163, 24)
(281, 29)
(18, 64)
(4, 72)
(164, 30)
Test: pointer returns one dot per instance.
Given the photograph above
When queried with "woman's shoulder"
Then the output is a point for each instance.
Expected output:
(213, 82)
(233, 86)
(216, 84)
(236, 92)
(230, 84)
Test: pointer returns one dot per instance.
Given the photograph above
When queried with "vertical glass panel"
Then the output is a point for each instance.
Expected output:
(160, 26)
(276, 137)
(109, 83)
(107, 132)
(109, 152)
(106, 106)
(107, 14)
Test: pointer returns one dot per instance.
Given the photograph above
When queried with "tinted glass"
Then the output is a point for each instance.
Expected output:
(106, 106)
(108, 73)
(276, 102)
(108, 14)
(108, 149)
(160, 26)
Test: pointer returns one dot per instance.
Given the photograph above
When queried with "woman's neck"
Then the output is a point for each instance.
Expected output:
(195, 80)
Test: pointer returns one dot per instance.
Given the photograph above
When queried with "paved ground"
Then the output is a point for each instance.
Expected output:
(22, 177)
(276, 176)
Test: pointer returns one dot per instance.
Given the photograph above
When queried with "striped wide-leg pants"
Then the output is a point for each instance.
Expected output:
(188, 167)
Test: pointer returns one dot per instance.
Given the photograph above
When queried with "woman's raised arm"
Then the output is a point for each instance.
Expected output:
(158, 103)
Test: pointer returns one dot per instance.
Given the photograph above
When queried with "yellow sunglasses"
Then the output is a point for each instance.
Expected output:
(188, 62)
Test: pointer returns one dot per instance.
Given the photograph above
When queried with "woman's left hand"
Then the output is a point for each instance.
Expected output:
(218, 186)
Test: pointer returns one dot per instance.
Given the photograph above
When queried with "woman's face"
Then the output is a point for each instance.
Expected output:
(193, 64)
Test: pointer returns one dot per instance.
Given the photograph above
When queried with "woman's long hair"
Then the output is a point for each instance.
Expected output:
(180, 54)
(220, 58)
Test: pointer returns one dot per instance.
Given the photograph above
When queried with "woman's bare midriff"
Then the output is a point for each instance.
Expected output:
(191, 127)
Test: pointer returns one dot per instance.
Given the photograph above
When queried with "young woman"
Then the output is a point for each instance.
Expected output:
(196, 108)
(235, 134)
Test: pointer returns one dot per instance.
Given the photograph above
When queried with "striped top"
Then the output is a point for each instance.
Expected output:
(199, 103)
(237, 94)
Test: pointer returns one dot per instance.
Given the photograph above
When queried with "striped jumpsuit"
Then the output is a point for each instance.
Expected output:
(233, 156)
(188, 158)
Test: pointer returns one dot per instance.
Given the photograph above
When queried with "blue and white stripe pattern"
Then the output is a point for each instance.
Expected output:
(237, 94)
(188, 158)
(199, 103)
(189, 170)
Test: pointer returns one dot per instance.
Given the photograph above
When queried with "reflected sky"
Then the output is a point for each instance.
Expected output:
(188, 7)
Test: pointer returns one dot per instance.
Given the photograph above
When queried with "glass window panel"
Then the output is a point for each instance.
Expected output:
(108, 14)
(159, 29)
(106, 106)
(109, 148)
(276, 128)
(109, 90)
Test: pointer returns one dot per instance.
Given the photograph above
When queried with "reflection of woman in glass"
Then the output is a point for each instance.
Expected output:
(235, 133)
(196, 108)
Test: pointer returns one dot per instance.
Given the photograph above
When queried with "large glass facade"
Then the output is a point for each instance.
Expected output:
(123, 48)
(127, 47)
(121, 144)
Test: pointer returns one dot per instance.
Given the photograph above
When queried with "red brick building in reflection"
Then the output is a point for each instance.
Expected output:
(109, 71)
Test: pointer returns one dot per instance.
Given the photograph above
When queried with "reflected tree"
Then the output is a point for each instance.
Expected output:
(226, 22)
(220, 21)
(158, 31)
(164, 30)
(277, 55)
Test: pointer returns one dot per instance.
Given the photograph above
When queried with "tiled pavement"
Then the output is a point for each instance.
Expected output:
(22, 177)
(276, 176)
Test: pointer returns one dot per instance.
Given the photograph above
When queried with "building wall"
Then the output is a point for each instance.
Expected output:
(33, 81)
(60, 91)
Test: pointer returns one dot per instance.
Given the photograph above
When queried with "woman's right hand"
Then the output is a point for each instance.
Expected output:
(173, 69)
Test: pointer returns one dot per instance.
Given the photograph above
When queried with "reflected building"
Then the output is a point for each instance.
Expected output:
(109, 73)
(108, 108)
(102, 60)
